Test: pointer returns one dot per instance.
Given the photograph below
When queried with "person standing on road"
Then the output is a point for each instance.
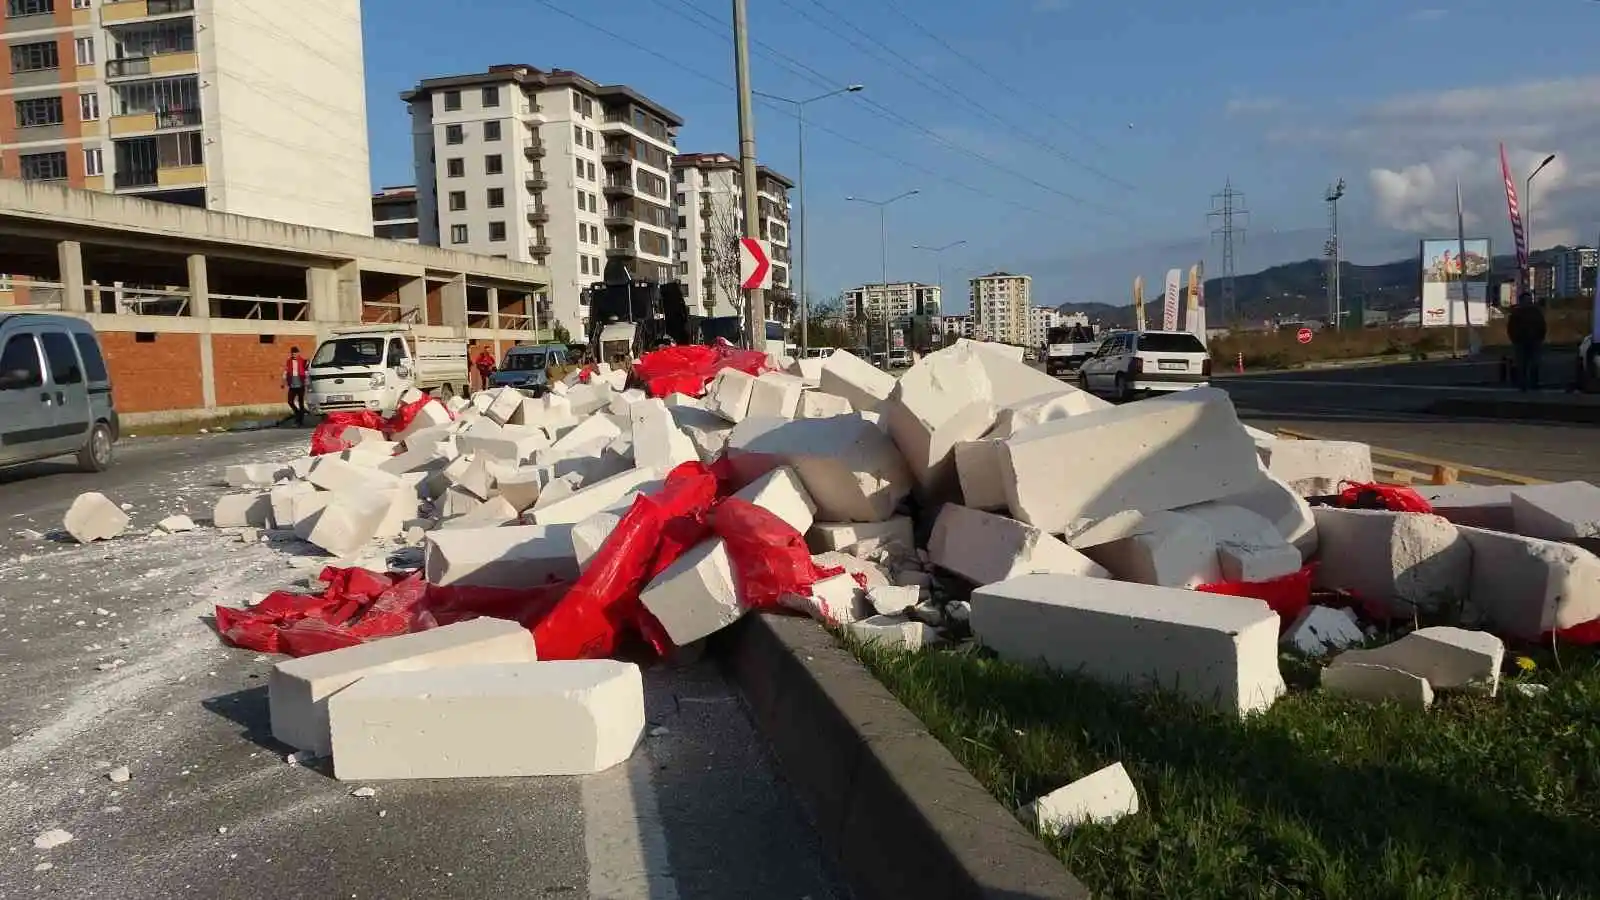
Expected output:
(485, 366)
(1525, 328)
(295, 379)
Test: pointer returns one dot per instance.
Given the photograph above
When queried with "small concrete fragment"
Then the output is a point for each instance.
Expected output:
(432, 414)
(1409, 561)
(984, 548)
(775, 395)
(1449, 658)
(575, 717)
(1320, 629)
(856, 380)
(254, 510)
(837, 600)
(849, 466)
(1101, 797)
(1318, 468)
(519, 487)
(696, 596)
(92, 517)
(179, 524)
(728, 394)
(514, 557)
(1249, 548)
(821, 405)
(1378, 684)
(892, 599)
(1569, 511)
(1527, 587)
(893, 533)
(255, 474)
(893, 631)
(781, 493)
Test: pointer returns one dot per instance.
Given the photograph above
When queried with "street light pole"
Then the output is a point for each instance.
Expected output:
(938, 261)
(1527, 216)
(800, 123)
(883, 259)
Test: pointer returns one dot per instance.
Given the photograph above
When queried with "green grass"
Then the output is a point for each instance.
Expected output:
(1317, 798)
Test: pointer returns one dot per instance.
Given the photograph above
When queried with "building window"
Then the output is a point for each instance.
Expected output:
(15, 8)
(583, 265)
(165, 97)
(577, 135)
(491, 130)
(497, 198)
(93, 161)
(497, 231)
(591, 171)
(458, 201)
(89, 106)
(455, 167)
(34, 57)
(683, 221)
(579, 164)
(491, 97)
(577, 101)
(452, 100)
(458, 234)
(580, 201)
(85, 48)
(455, 134)
(43, 166)
(39, 111)
(81, 4)
(588, 140)
(493, 164)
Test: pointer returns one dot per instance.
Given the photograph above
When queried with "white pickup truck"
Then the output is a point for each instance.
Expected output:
(1067, 348)
(368, 367)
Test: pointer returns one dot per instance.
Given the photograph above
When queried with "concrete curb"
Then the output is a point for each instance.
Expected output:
(895, 809)
(1578, 413)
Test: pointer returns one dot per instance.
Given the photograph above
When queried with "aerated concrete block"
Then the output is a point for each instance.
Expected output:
(1167, 549)
(92, 517)
(856, 380)
(1319, 629)
(821, 405)
(1408, 561)
(781, 493)
(1378, 684)
(355, 434)
(511, 557)
(808, 370)
(1101, 797)
(593, 498)
(775, 395)
(255, 474)
(252, 509)
(1317, 468)
(1215, 649)
(658, 443)
(551, 410)
(707, 431)
(895, 532)
(1249, 548)
(1156, 454)
(1449, 658)
(350, 520)
(837, 600)
(1032, 412)
(1528, 587)
(1010, 379)
(573, 717)
(728, 394)
(457, 501)
(1569, 511)
(941, 401)
(423, 456)
(494, 512)
(1478, 505)
(978, 471)
(893, 599)
(432, 415)
(503, 405)
(984, 548)
(591, 430)
(850, 467)
(473, 477)
(1276, 502)
(298, 689)
(892, 631)
(590, 535)
(508, 443)
(872, 574)
(520, 487)
(587, 399)
(332, 474)
(696, 595)
(622, 400)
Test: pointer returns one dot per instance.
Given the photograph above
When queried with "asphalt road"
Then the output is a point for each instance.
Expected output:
(107, 659)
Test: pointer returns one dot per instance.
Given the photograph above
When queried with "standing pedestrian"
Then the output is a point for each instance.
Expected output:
(485, 366)
(1525, 327)
(295, 379)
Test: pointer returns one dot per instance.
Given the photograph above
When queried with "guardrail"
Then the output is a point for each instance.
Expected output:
(1414, 468)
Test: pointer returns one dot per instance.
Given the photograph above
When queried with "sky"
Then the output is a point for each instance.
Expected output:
(1079, 141)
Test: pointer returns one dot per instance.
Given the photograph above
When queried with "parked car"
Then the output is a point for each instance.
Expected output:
(55, 392)
(528, 368)
(1129, 363)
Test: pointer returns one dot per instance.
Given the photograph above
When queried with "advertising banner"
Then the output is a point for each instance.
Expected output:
(1138, 302)
(1169, 309)
(1443, 285)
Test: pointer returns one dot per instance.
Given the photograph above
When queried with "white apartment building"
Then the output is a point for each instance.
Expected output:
(905, 299)
(251, 107)
(957, 326)
(394, 213)
(1001, 304)
(708, 200)
(1574, 272)
(1040, 320)
(549, 168)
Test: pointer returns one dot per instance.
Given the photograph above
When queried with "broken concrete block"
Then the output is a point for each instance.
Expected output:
(1319, 629)
(978, 472)
(696, 595)
(893, 631)
(728, 394)
(1101, 797)
(808, 369)
(421, 456)
(1409, 561)
(1276, 502)
(658, 442)
(620, 401)
(1527, 587)
(1449, 658)
(586, 399)
(856, 380)
(1318, 468)
(432, 414)
(1569, 511)
(590, 535)
(1378, 684)
(591, 430)
(494, 512)
(371, 454)
(507, 443)
(350, 519)
(775, 395)
(678, 399)
(707, 431)
(504, 404)
(254, 509)
(850, 467)
(456, 501)
(781, 493)
(984, 548)
(92, 518)
(474, 477)
(1215, 649)
(1034, 411)
(872, 574)
(572, 717)
(1010, 379)
(456, 404)
(1157, 454)
(1168, 549)
(179, 524)
(837, 600)
(893, 599)
(1249, 548)
(1478, 505)
(255, 474)
(821, 405)
(519, 487)
(304, 508)
(593, 498)
(516, 556)
(333, 474)
(298, 689)
(895, 532)
(943, 400)
(355, 434)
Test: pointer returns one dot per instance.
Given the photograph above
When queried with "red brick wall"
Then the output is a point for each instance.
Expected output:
(161, 375)
(249, 372)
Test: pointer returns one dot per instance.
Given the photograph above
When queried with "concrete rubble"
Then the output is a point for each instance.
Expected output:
(1101, 797)
(93, 517)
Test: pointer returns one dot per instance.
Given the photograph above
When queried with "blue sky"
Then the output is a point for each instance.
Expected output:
(1140, 110)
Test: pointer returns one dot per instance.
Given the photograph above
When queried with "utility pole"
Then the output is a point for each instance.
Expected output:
(1335, 301)
(883, 259)
(756, 307)
(1229, 212)
(938, 256)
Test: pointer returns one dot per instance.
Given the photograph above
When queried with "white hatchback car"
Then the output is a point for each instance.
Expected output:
(1129, 363)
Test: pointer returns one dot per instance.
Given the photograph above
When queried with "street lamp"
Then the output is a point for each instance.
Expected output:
(800, 184)
(883, 258)
(1527, 214)
(938, 256)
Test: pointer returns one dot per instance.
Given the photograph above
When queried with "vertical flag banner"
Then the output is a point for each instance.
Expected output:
(1169, 309)
(1191, 303)
(1138, 302)
(1197, 301)
(1515, 212)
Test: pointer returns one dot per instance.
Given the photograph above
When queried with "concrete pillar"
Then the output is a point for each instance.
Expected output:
(69, 256)
(322, 294)
(349, 291)
(414, 301)
(494, 308)
(199, 287)
(453, 298)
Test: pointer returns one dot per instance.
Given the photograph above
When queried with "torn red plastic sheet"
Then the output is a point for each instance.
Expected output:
(687, 369)
(327, 438)
(770, 558)
(1393, 497)
(1287, 596)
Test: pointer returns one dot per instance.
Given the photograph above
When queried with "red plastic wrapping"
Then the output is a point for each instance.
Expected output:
(326, 438)
(1287, 596)
(1393, 497)
(769, 557)
(687, 369)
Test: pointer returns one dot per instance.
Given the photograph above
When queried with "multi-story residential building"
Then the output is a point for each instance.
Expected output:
(549, 168)
(1040, 320)
(957, 326)
(394, 213)
(251, 107)
(1000, 307)
(1544, 281)
(1575, 272)
(708, 200)
(905, 299)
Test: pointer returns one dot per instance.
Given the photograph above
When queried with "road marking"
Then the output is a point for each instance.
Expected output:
(1461, 468)
(623, 835)
(1384, 385)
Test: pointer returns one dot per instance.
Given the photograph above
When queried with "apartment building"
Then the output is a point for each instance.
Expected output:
(1001, 304)
(708, 201)
(904, 299)
(546, 167)
(250, 107)
(1040, 320)
(959, 326)
(1575, 272)
(394, 213)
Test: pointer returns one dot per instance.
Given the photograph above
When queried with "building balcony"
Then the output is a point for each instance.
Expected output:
(622, 250)
(157, 121)
(129, 10)
(619, 189)
(535, 182)
(160, 64)
(531, 114)
(539, 247)
(705, 210)
(707, 254)
(538, 215)
(610, 157)
(534, 150)
(615, 220)
(164, 176)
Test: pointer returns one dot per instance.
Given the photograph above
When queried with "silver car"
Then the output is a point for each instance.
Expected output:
(55, 392)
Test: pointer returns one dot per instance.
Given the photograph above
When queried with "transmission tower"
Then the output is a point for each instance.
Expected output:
(1229, 215)
(1332, 250)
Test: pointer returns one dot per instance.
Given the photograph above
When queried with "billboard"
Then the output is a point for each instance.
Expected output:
(1442, 284)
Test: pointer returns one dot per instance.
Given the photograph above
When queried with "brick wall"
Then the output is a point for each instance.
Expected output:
(149, 377)
(249, 372)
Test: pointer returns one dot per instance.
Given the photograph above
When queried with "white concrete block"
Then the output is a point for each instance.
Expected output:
(298, 689)
(856, 380)
(254, 509)
(808, 369)
(890, 631)
(303, 511)
(590, 430)
(1010, 379)
(984, 548)
(355, 434)
(593, 498)
(457, 501)
(1249, 548)
(92, 517)
(895, 532)
(1410, 561)
(871, 573)
(1320, 629)
(494, 512)
(482, 400)
(177, 524)
(1378, 684)
(421, 456)
(456, 404)
(473, 477)
(728, 394)
(590, 535)
(1478, 505)
(433, 414)
(371, 454)
(1276, 502)
(550, 411)
(255, 474)
(696, 595)
(1527, 587)
(978, 469)
(1212, 648)
(775, 395)
(1168, 549)
(587, 399)
(503, 405)
(621, 400)
(616, 378)
(1034, 411)
(821, 405)
(332, 474)
(1156, 454)
(1317, 468)
(508, 443)
(837, 600)
(893, 599)
(511, 557)
(1569, 511)
(574, 717)
(677, 399)
(1101, 797)
(781, 493)
(350, 520)
(658, 442)
(301, 466)
(941, 401)
(707, 431)
(1449, 658)
(520, 487)
(850, 467)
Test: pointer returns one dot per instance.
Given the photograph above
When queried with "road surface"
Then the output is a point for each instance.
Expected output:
(107, 659)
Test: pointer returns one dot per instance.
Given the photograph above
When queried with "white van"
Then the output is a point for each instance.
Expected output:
(368, 367)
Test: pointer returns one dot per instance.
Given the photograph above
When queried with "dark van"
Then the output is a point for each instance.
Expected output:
(55, 392)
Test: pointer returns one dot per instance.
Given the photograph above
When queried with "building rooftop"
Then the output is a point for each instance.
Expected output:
(538, 79)
(724, 161)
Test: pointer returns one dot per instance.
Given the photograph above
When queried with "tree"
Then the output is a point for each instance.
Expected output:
(720, 254)
(560, 333)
